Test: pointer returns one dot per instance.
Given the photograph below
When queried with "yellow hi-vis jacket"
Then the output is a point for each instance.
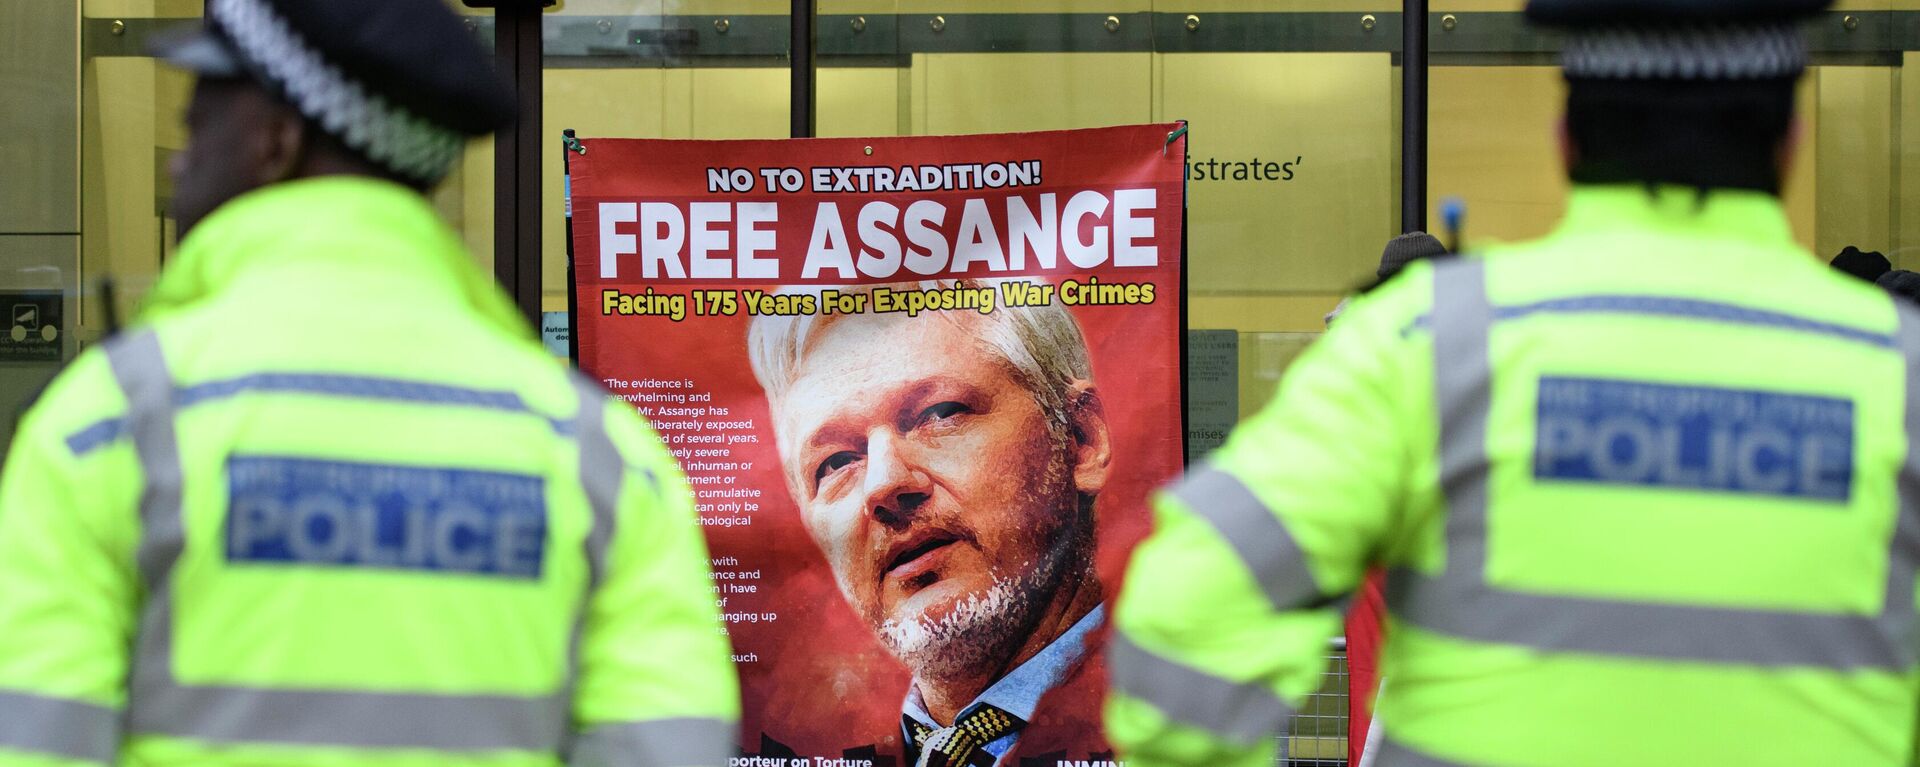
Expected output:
(329, 503)
(1646, 489)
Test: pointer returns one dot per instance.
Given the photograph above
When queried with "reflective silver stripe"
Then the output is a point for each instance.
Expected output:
(1463, 379)
(1452, 606)
(686, 742)
(59, 727)
(159, 704)
(1394, 754)
(1254, 531)
(1241, 712)
(459, 723)
(1459, 602)
(601, 472)
(1898, 619)
(345, 386)
(140, 367)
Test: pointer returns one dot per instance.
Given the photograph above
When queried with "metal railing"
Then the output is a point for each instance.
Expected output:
(1317, 736)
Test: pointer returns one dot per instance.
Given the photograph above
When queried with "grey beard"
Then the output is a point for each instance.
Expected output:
(985, 629)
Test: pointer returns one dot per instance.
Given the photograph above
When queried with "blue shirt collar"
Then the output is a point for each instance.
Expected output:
(1018, 693)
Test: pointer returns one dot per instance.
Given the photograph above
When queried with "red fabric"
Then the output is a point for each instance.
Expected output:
(814, 680)
(1365, 625)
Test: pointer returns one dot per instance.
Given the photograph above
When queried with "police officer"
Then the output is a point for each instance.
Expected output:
(328, 502)
(1634, 512)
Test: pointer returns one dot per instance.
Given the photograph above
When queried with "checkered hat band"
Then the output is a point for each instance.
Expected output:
(386, 133)
(1697, 54)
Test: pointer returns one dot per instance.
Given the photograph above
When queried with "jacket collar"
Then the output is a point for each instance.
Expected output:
(1722, 214)
(382, 233)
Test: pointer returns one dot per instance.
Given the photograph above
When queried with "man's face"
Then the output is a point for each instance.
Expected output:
(928, 476)
(233, 147)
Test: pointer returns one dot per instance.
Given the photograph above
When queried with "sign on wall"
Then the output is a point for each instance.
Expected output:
(33, 326)
(921, 388)
(1213, 389)
(554, 332)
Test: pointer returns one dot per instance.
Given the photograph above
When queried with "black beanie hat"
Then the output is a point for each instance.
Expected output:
(1406, 249)
(1867, 265)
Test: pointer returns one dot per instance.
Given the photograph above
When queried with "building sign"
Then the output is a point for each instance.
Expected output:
(34, 326)
(1213, 389)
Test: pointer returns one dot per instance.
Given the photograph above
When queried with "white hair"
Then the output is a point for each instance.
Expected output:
(1042, 345)
(1046, 354)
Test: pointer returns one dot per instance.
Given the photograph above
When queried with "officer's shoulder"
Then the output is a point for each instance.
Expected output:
(628, 429)
(82, 395)
(1395, 304)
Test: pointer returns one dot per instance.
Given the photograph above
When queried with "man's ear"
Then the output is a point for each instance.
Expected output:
(1783, 155)
(1092, 440)
(284, 146)
(1569, 151)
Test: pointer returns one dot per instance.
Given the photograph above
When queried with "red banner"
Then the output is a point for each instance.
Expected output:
(921, 388)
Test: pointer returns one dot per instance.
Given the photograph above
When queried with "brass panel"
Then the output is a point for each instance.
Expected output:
(1492, 142)
(859, 102)
(1356, 7)
(615, 7)
(874, 7)
(595, 103)
(1004, 92)
(1477, 6)
(722, 7)
(131, 110)
(929, 7)
(1854, 146)
(1264, 359)
(105, 9)
(1906, 252)
(739, 103)
(1314, 134)
(648, 103)
(1285, 313)
(40, 125)
(465, 201)
(1800, 191)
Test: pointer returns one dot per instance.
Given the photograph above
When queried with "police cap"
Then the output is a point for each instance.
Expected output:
(401, 82)
(1680, 40)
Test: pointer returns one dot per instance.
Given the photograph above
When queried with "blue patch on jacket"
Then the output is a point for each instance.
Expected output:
(331, 513)
(1694, 438)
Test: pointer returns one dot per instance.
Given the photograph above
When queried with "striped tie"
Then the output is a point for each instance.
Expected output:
(961, 744)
